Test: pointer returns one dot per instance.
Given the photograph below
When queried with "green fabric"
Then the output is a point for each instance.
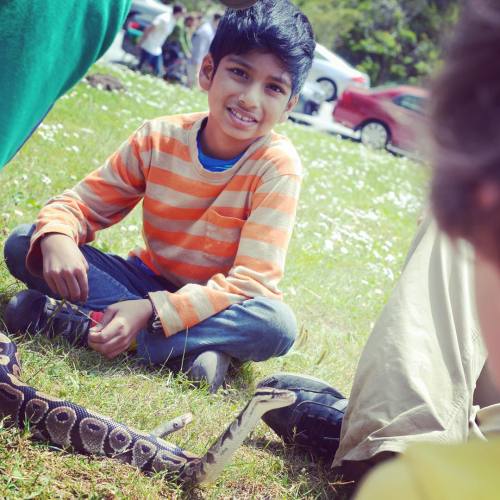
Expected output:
(46, 46)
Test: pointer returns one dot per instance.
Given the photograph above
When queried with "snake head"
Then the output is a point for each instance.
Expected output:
(270, 398)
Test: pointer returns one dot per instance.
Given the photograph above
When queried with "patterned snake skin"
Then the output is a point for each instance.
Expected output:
(67, 425)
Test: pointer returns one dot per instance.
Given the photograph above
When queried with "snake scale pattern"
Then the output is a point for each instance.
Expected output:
(69, 426)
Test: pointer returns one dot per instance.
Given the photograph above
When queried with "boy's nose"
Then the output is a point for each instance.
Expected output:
(249, 98)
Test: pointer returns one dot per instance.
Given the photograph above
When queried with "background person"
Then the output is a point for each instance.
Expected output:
(200, 44)
(47, 47)
(154, 36)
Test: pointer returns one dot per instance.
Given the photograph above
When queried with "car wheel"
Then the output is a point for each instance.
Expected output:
(329, 87)
(375, 135)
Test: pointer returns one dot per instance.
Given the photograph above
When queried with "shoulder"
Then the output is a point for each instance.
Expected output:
(279, 155)
(173, 124)
(168, 134)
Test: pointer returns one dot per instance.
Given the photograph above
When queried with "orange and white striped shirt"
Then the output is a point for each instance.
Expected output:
(222, 237)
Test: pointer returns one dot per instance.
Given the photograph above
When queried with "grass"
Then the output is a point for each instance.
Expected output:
(356, 217)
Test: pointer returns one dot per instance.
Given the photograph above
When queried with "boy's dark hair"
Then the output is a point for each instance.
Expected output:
(274, 26)
(466, 127)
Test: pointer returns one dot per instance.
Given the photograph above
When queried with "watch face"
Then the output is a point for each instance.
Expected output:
(238, 4)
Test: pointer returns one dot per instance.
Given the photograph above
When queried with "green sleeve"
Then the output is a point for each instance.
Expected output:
(184, 41)
(46, 47)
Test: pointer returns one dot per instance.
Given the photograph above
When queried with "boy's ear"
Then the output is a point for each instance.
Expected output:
(207, 71)
(290, 105)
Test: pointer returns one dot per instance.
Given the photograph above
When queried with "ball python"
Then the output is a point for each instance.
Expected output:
(69, 426)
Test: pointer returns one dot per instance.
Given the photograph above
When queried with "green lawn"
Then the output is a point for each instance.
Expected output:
(356, 217)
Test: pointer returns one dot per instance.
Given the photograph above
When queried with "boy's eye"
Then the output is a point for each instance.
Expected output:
(276, 88)
(238, 72)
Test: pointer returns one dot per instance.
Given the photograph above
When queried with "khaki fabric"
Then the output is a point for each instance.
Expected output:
(417, 374)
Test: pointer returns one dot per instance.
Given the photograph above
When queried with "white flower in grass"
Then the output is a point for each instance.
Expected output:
(328, 245)
(388, 272)
(18, 213)
(46, 180)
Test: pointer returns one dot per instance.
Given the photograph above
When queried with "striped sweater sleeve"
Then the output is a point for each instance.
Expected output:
(101, 199)
(258, 265)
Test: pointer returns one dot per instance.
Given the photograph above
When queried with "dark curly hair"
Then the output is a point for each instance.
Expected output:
(465, 110)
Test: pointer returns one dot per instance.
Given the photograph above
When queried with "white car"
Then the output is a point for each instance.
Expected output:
(334, 74)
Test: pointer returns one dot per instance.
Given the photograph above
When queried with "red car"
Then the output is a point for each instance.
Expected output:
(391, 117)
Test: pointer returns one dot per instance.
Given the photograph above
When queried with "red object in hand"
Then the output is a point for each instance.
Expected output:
(96, 317)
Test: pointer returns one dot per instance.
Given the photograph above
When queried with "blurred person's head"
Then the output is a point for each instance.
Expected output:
(466, 127)
(216, 20)
(466, 130)
(179, 10)
(189, 21)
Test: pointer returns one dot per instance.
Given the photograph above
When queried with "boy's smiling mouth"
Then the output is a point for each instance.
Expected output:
(241, 116)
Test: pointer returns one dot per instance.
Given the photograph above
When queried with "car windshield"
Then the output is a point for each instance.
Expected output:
(412, 102)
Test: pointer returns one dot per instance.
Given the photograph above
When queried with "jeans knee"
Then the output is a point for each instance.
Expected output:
(16, 248)
(278, 326)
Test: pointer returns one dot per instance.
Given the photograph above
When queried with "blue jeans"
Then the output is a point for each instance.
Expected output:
(152, 60)
(254, 330)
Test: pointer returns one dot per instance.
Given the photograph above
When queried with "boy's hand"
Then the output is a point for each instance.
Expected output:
(64, 267)
(119, 326)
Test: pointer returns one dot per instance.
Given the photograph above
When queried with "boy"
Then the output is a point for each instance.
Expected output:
(219, 195)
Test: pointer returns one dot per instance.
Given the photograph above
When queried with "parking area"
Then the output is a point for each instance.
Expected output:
(323, 122)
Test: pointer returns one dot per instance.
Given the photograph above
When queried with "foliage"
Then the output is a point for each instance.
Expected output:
(391, 40)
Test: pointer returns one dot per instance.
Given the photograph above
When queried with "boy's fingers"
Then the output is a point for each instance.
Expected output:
(62, 289)
(51, 284)
(109, 332)
(116, 350)
(85, 263)
(109, 314)
(73, 287)
(83, 284)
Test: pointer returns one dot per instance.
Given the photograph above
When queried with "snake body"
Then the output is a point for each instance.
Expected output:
(69, 426)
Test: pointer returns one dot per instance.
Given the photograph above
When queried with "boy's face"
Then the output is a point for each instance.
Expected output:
(247, 96)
